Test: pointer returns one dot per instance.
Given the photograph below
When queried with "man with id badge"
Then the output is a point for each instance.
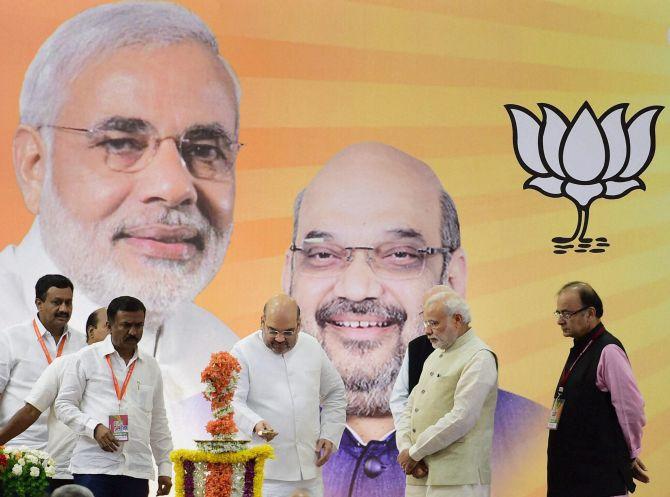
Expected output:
(112, 396)
(596, 419)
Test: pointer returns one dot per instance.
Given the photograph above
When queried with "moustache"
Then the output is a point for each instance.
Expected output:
(388, 313)
(191, 222)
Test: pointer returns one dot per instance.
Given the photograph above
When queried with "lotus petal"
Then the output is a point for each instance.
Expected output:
(617, 189)
(583, 151)
(549, 186)
(553, 127)
(642, 137)
(583, 194)
(526, 146)
(613, 125)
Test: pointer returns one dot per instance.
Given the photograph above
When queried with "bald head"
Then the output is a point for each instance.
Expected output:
(280, 323)
(281, 304)
(96, 326)
(372, 232)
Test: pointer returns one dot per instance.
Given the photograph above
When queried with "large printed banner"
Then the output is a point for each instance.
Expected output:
(526, 141)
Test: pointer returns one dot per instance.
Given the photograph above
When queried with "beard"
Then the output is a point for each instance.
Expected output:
(368, 367)
(85, 252)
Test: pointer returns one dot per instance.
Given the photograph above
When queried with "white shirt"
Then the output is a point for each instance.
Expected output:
(182, 346)
(87, 398)
(42, 396)
(22, 361)
(286, 390)
(400, 392)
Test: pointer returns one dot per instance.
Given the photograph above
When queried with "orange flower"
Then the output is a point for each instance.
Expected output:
(219, 482)
(223, 426)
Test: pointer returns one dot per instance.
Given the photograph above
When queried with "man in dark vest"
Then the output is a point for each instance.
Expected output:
(595, 425)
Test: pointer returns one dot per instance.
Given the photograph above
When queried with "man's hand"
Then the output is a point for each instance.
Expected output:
(164, 485)
(638, 468)
(421, 470)
(406, 462)
(324, 448)
(105, 439)
(265, 431)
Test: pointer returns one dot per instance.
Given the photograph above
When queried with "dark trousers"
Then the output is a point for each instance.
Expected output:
(54, 484)
(113, 485)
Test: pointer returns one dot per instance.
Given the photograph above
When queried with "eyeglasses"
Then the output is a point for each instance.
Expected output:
(430, 324)
(285, 334)
(391, 261)
(565, 315)
(129, 145)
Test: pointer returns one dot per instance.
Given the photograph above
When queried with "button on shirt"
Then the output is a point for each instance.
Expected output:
(286, 390)
(42, 396)
(87, 398)
(22, 361)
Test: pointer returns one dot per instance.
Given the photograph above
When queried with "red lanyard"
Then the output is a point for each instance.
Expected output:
(122, 391)
(567, 371)
(59, 352)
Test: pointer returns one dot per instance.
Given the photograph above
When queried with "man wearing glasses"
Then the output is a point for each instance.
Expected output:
(125, 153)
(289, 394)
(595, 425)
(373, 231)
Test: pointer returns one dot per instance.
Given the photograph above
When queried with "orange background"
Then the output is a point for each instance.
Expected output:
(431, 78)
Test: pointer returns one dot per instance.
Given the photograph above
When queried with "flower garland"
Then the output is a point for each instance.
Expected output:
(251, 460)
(220, 377)
(24, 472)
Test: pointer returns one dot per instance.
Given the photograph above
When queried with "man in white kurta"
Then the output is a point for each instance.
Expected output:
(291, 395)
(446, 429)
(27, 349)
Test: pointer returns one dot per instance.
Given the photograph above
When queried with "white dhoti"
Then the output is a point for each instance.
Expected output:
(448, 491)
(281, 488)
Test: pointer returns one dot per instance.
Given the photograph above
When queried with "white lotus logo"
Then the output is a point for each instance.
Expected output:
(584, 159)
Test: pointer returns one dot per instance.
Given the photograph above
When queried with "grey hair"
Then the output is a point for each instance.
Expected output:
(72, 491)
(457, 305)
(450, 228)
(101, 30)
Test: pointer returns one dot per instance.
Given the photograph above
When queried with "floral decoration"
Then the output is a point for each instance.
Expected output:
(220, 377)
(226, 474)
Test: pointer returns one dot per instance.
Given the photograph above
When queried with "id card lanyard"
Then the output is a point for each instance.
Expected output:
(120, 391)
(59, 352)
(559, 401)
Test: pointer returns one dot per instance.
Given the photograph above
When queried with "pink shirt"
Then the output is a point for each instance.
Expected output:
(615, 375)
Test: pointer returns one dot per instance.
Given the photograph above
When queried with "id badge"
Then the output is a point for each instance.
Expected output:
(118, 425)
(555, 414)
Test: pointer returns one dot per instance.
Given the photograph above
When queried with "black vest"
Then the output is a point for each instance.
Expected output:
(418, 351)
(587, 454)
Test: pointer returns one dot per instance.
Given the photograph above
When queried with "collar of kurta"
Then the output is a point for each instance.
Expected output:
(462, 340)
(44, 331)
(106, 347)
(582, 341)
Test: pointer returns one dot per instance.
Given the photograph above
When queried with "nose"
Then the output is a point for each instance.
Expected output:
(166, 179)
(280, 338)
(358, 282)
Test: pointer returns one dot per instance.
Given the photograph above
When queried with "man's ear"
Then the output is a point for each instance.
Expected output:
(30, 160)
(457, 272)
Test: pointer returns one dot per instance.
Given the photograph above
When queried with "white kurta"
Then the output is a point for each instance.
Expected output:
(182, 345)
(22, 362)
(286, 390)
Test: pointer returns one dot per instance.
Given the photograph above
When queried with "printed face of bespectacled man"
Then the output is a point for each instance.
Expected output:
(142, 202)
(364, 305)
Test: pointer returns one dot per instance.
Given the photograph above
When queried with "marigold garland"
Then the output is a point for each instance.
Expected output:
(257, 454)
(221, 376)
